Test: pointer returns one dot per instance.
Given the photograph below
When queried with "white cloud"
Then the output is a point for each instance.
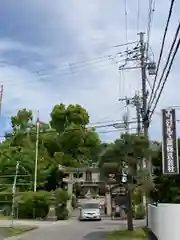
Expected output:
(82, 29)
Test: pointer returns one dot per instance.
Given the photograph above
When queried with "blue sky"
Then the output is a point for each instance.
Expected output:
(57, 51)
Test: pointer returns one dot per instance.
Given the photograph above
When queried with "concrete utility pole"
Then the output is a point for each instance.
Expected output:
(144, 91)
(126, 116)
(137, 104)
(145, 118)
(135, 101)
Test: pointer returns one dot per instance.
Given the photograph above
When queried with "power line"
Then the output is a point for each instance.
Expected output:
(126, 16)
(166, 65)
(82, 62)
(162, 48)
(73, 70)
(115, 130)
(138, 14)
(75, 129)
(151, 10)
(102, 122)
(167, 74)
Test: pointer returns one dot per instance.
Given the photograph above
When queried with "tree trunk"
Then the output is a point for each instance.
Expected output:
(130, 213)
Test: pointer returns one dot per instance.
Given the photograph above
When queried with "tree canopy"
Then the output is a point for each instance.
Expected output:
(64, 140)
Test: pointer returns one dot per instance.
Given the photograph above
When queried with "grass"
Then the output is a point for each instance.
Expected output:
(2, 217)
(137, 234)
(13, 231)
(19, 230)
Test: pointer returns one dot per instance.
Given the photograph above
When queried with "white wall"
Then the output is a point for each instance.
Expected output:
(164, 221)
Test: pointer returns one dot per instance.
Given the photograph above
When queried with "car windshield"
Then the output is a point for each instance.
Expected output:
(90, 205)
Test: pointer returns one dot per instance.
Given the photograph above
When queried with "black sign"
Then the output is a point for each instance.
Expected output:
(170, 160)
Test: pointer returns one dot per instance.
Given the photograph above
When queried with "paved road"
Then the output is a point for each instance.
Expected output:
(75, 230)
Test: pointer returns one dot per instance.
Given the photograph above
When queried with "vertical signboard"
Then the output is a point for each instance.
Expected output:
(170, 160)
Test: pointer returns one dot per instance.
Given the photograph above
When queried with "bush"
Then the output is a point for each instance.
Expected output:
(5, 198)
(6, 202)
(140, 211)
(61, 198)
(62, 213)
(74, 201)
(33, 204)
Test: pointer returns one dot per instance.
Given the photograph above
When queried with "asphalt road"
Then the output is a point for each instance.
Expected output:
(75, 230)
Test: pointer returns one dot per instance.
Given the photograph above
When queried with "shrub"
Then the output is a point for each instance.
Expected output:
(62, 213)
(33, 204)
(74, 201)
(61, 198)
(140, 211)
(5, 198)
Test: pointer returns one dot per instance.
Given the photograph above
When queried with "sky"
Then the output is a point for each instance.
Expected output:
(67, 51)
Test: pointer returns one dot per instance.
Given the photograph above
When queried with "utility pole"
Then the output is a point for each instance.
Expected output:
(144, 90)
(145, 117)
(125, 168)
(126, 116)
(135, 101)
(137, 104)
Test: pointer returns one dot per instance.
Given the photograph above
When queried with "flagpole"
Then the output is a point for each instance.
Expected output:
(14, 192)
(36, 156)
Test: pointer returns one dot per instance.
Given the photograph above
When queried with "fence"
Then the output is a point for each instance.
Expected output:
(164, 221)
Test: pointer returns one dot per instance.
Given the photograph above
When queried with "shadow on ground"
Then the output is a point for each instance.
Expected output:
(4, 233)
(96, 236)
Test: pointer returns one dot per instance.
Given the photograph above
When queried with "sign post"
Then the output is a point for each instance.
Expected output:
(170, 161)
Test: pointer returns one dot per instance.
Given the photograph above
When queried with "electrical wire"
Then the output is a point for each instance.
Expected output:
(151, 10)
(68, 71)
(126, 16)
(115, 130)
(113, 124)
(121, 83)
(98, 132)
(167, 74)
(162, 48)
(60, 74)
(82, 62)
(138, 14)
(166, 65)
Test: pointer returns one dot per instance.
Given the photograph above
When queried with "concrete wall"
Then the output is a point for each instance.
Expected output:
(164, 221)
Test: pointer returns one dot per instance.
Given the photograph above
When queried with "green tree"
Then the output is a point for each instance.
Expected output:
(166, 187)
(22, 120)
(74, 142)
(129, 150)
(64, 141)
(62, 117)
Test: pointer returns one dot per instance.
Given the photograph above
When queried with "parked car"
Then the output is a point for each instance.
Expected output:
(90, 211)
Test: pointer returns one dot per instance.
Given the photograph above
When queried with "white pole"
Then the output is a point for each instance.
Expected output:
(14, 192)
(37, 148)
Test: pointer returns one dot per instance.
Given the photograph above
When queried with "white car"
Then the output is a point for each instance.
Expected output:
(90, 211)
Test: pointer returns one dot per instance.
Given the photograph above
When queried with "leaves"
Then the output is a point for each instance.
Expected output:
(22, 120)
(130, 150)
(166, 187)
(65, 141)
